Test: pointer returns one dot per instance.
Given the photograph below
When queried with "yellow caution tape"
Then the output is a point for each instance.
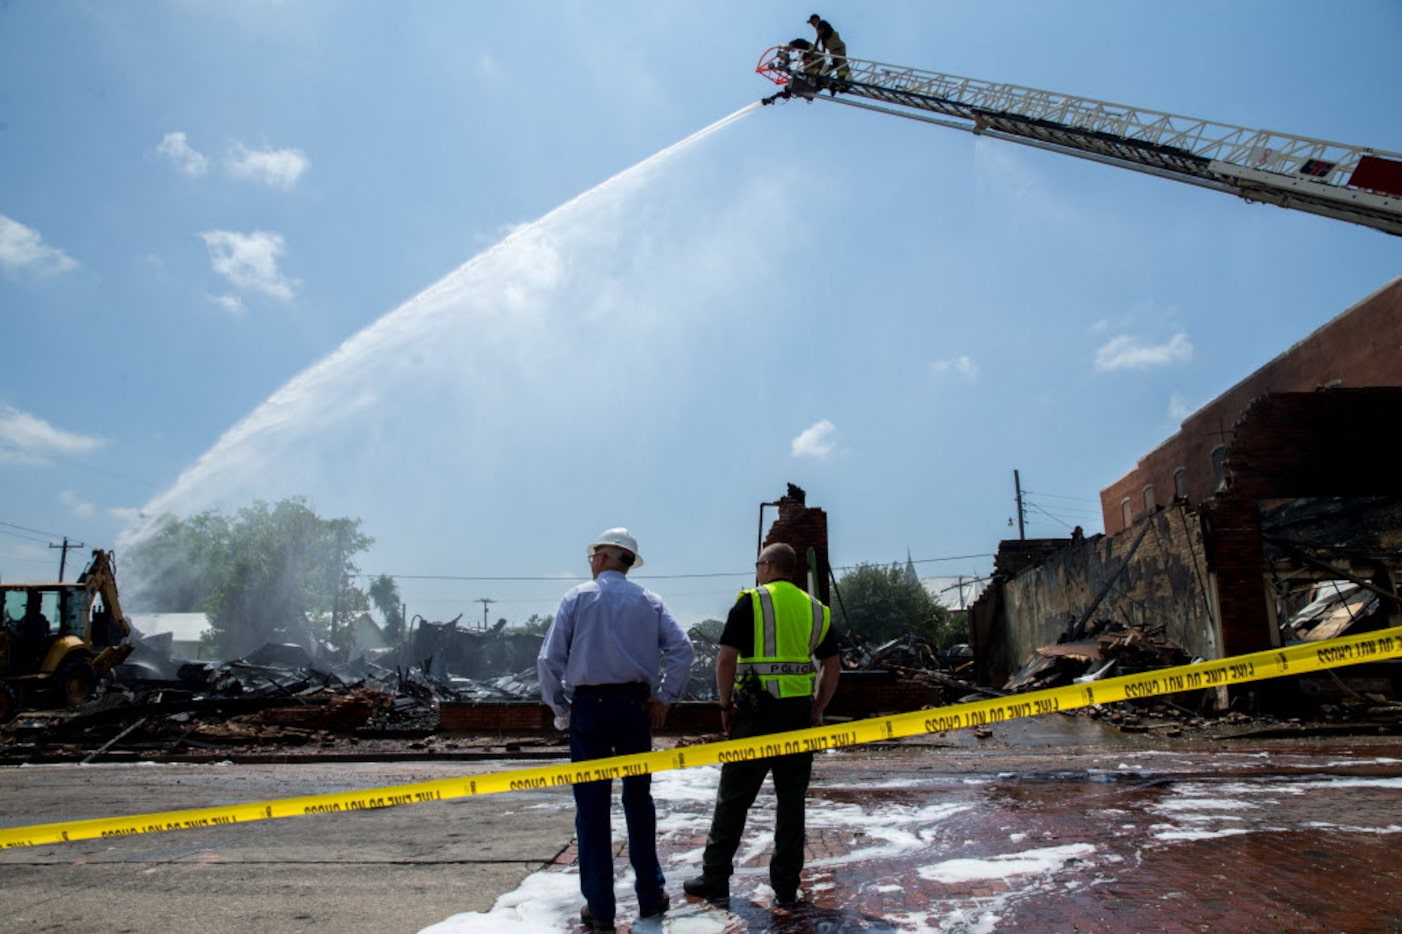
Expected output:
(1292, 660)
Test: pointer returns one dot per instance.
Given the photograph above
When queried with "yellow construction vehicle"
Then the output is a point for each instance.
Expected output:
(57, 641)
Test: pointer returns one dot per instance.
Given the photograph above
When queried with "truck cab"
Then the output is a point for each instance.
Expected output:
(58, 640)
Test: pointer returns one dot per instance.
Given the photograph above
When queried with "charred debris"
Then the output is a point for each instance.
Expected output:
(477, 696)
(1326, 702)
(284, 701)
(470, 692)
(460, 692)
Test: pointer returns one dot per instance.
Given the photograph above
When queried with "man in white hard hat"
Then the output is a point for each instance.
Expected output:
(611, 664)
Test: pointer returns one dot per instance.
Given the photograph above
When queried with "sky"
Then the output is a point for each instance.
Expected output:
(493, 278)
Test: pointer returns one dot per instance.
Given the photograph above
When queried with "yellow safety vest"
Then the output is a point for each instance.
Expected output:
(789, 625)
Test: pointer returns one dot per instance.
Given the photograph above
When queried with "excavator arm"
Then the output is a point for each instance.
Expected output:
(1350, 183)
(111, 629)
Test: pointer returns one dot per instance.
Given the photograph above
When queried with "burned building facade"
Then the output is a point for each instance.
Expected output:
(1276, 485)
(805, 528)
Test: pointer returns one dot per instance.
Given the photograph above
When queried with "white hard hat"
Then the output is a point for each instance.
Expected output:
(620, 538)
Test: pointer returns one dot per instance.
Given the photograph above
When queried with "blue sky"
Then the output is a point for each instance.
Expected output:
(376, 254)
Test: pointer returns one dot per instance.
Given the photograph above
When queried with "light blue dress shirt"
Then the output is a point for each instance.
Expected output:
(613, 631)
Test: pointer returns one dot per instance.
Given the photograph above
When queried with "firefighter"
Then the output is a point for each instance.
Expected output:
(831, 43)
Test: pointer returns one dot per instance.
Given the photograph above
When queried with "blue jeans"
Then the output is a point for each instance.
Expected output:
(610, 721)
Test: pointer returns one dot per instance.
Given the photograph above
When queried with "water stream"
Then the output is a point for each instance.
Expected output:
(494, 378)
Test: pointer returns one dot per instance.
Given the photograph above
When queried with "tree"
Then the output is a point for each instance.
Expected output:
(537, 625)
(275, 573)
(384, 593)
(879, 604)
(708, 629)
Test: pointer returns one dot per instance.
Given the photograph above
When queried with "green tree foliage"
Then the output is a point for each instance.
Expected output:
(708, 630)
(885, 603)
(384, 593)
(954, 630)
(537, 625)
(270, 573)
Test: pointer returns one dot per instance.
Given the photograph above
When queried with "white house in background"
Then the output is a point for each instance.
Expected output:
(954, 593)
(186, 631)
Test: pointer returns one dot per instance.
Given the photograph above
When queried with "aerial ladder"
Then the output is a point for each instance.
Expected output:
(1349, 183)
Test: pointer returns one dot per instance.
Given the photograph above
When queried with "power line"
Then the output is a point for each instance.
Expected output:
(1079, 499)
(1052, 516)
(25, 528)
(561, 579)
(953, 558)
(23, 538)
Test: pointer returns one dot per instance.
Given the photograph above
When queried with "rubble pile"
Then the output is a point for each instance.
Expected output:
(1358, 699)
(1113, 649)
(284, 697)
(239, 707)
(906, 673)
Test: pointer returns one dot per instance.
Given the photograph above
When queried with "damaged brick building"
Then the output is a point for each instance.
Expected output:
(1224, 529)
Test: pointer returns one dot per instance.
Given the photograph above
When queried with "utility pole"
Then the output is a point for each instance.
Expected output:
(1017, 485)
(63, 558)
(485, 601)
(340, 578)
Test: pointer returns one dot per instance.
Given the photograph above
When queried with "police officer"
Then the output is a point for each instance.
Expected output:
(768, 683)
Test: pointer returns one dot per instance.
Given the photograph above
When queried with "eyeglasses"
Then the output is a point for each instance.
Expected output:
(758, 563)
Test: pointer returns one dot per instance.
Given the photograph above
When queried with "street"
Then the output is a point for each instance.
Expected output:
(1055, 823)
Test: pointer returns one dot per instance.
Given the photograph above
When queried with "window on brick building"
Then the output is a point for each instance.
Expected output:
(1180, 483)
(1125, 513)
(1149, 499)
(1219, 467)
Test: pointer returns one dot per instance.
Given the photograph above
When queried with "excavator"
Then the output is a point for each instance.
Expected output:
(1357, 184)
(59, 640)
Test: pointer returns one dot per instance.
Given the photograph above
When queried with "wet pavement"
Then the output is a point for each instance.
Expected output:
(1052, 824)
(1058, 825)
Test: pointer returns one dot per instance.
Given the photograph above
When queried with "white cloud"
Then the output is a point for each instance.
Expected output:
(230, 303)
(963, 365)
(1129, 353)
(26, 439)
(22, 249)
(276, 168)
(1180, 408)
(187, 159)
(250, 261)
(75, 504)
(816, 441)
(126, 513)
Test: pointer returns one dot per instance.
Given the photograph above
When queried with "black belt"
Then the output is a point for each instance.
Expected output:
(631, 688)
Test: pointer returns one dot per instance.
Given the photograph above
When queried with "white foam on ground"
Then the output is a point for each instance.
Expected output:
(901, 834)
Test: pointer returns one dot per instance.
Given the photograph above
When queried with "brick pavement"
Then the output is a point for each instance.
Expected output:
(916, 836)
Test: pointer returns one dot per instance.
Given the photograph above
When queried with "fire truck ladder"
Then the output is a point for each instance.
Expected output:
(1348, 183)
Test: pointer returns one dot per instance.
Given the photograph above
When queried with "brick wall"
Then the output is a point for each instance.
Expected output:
(1361, 347)
(803, 527)
(1154, 576)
